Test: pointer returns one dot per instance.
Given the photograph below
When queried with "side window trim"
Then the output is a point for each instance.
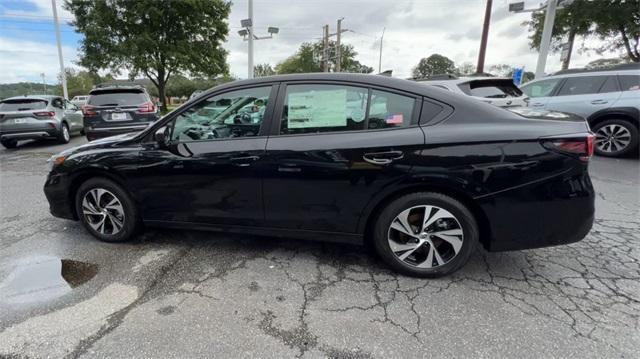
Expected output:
(282, 94)
(266, 119)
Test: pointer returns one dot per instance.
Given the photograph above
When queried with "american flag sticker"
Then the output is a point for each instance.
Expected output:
(394, 119)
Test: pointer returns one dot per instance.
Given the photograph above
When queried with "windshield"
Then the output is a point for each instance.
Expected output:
(26, 104)
(118, 98)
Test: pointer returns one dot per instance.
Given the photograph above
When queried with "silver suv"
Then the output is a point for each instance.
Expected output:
(35, 117)
(608, 99)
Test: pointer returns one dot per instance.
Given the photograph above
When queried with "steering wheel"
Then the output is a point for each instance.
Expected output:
(242, 119)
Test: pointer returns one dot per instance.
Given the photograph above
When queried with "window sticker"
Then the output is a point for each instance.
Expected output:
(317, 109)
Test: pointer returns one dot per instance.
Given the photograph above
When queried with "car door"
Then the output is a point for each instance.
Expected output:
(208, 169)
(73, 116)
(333, 146)
(540, 92)
(584, 95)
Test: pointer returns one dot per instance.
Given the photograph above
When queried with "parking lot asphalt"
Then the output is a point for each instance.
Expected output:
(200, 294)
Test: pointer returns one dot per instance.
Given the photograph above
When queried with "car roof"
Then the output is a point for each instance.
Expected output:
(595, 72)
(111, 88)
(462, 80)
(364, 79)
(32, 97)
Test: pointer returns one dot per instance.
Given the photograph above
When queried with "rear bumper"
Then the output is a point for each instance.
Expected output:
(47, 130)
(556, 211)
(94, 133)
(56, 189)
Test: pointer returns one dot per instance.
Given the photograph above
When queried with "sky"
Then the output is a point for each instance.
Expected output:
(414, 29)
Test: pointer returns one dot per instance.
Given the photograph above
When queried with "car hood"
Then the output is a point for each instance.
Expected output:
(101, 143)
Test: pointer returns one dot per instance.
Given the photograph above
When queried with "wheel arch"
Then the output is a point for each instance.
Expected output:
(631, 114)
(367, 221)
(86, 174)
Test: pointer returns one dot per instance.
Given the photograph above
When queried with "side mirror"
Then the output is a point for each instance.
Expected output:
(161, 135)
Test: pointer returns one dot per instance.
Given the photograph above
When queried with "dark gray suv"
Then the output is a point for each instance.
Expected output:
(115, 109)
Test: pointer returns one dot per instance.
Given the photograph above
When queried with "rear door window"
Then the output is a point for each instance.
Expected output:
(118, 98)
(582, 85)
(610, 85)
(22, 105)
(494, 89)
(629, 82)
(388, 110)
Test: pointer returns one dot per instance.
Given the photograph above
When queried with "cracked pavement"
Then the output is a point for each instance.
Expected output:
(200, 294)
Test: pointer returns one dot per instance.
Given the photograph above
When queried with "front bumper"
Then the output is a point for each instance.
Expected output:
(94, 133)
(56, 189)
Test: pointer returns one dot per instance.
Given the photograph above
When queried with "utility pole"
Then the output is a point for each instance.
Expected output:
(250, 30)
(545, 41)
(338, 48)
(380, 58)
(44, 84)
(325, 48)
(485, 35)
(63, 75)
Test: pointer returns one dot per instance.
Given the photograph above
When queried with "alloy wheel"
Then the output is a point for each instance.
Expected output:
(103, 211)
(425, 236)
(612, 138)
(65, 133)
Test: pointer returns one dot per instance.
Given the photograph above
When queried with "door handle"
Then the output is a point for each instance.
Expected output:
(382, 158)
(599, 102)
(537, 105)
(244, 161)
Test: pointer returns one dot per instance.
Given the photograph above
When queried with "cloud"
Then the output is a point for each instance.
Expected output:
(414, 29)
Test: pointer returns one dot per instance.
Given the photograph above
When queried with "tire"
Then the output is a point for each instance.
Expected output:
(9, 143)
(610, 134)
(64, 136)
(124, 216)
(427, 254)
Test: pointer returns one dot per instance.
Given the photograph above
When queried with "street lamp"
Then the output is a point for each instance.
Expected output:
(248, 35)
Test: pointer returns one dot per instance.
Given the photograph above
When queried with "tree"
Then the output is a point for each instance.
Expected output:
(616, 22)
(466, 69)
(502, 70)
(604, 63)
(308, 59)
(262, 70)
(155, 38)
(433, 65)
(80, 82)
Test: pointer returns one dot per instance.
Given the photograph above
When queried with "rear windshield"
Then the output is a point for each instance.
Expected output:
(118, 98)
(23, 105)
(493, 89)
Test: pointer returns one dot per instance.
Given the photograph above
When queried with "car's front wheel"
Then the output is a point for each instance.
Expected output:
(425, 234)
(615, 138)
(9, 143)
(106, 210)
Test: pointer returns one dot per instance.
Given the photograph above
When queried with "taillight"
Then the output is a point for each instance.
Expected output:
(582, 147)
(147, 107)
(45, 113)
(88, 111)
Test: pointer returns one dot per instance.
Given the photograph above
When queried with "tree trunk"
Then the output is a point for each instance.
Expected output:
(633, 55)
(162, 95)
(567, 60)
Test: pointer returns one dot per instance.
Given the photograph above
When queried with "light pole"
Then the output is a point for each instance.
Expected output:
(44, 84)
(248, 35)
(380, 57)
(63, 75)
(483, 39)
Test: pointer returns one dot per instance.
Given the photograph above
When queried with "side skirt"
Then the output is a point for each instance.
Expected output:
(337, 237)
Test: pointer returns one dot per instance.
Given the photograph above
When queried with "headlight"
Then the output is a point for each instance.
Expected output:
(54, 161)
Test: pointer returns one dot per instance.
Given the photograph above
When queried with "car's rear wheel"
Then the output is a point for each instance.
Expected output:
(615, 138)
(425, 234)
(106, 210)
(9, 143)
(64, 136)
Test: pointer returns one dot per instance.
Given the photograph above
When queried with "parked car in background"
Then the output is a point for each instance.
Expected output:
(117, 109)
(79, 100)
(423, 174)
(501, 92)
(608, 99)
(38, 117)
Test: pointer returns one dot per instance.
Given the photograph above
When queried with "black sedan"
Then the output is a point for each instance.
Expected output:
(422, 174)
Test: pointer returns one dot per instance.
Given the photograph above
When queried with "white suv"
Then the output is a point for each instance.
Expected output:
(608, 99)
(497, 91)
